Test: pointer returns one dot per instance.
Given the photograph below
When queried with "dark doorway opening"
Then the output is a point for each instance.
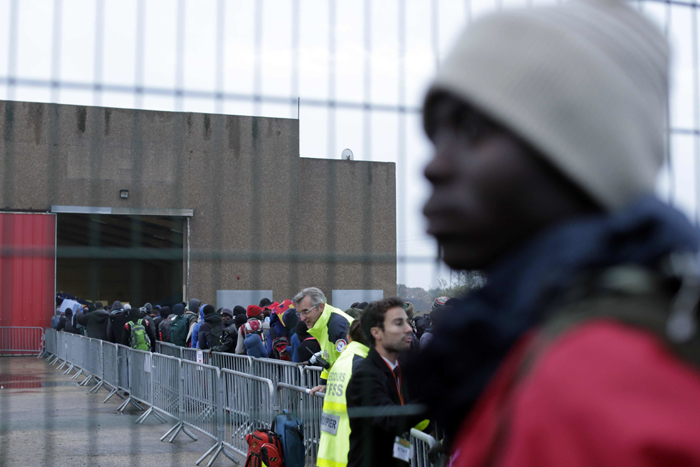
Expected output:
(133, 259)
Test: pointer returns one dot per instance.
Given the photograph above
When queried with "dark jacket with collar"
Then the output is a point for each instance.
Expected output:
(210, 331)
(95, 323)
(372, 439)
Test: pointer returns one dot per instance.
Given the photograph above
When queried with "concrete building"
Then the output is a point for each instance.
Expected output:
(154, 206)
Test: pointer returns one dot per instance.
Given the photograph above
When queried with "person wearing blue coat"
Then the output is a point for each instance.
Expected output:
(195, 330)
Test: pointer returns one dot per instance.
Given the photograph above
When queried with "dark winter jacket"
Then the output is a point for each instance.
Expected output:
(229, 338)
(372, 438)
(95, 324)
(210, 331)
(133, 316)
(118, 317)
(284, 326)
(66, 324)
(307, 348)
(522, 293)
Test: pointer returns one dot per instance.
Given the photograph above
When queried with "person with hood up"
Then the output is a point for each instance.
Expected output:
(211, 329)
(229, 335)
(194, 336)
(66, 323)
(163, 313)
(135, 316)
(118, 317)
(549, 127)
(164, 326)
(192, 315)
(95, 322)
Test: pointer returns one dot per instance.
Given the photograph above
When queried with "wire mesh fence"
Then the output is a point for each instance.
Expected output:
(196, 149)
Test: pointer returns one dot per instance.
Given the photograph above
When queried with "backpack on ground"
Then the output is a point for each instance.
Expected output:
(179, 327)
(291, 432)
(280, 349)
(264, 448)
(139, 339)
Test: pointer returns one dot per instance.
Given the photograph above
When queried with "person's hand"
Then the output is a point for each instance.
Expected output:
(321, 388)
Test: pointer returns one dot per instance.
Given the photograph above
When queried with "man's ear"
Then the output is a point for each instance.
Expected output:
(376, 332)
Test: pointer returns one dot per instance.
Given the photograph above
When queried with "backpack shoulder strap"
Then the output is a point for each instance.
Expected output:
(631, 295)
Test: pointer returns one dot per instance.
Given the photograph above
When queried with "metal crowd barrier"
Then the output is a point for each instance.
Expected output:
(168, 349)
(301, 404)
(277, 371)
(15, 340)
(110, 357)
(311, 376)
(50, 348)
(248, 405)
(221, 403)
(165, 381)
(228, 361)
(421, 443)
(194, 355)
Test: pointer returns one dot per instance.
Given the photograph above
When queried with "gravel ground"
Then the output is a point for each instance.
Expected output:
(47, 420)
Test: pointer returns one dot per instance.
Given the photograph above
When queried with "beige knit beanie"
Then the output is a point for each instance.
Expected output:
(585, 83)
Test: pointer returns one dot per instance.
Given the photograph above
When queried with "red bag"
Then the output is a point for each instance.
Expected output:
(264, 448)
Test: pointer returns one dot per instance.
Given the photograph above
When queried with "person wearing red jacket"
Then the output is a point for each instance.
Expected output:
(582, 349)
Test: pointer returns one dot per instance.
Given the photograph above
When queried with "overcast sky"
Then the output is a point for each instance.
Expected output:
(352, 51)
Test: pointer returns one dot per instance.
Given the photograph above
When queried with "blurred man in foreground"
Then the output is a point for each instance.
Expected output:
(582, 349)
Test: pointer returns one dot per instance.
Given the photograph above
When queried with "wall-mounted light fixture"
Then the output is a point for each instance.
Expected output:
(123, 194)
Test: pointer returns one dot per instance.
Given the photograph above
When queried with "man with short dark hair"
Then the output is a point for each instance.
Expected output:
(548, 125)
(382, 438)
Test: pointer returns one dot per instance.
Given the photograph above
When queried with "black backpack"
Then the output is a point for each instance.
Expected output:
(422, 324)
(280, 349)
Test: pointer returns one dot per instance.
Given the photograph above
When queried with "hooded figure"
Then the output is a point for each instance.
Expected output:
(194, 336)
(118, 317)
(192, 313)
(164, 326)
(134, 316)
(96, 323)
(209, 334)
(163, 313)
(66, 323)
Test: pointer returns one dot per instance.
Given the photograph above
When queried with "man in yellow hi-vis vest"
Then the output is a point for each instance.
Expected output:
(335, 426)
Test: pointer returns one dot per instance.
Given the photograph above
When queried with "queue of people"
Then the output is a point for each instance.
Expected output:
(583, 348)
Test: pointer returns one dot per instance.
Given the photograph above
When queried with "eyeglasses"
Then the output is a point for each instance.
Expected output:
(304, 313)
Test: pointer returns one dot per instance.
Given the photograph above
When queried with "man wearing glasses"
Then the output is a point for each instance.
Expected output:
(327, 324)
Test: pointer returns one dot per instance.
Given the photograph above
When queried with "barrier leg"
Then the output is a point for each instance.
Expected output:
(180, 426)
(153, 412)
(86, 380)
(128, 401)
(80, 372)
(96, 387)
(219, 447)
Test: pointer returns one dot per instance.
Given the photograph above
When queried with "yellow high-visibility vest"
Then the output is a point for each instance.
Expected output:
(334, 445)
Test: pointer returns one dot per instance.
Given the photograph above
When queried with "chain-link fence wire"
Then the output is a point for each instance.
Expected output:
(42, 67)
